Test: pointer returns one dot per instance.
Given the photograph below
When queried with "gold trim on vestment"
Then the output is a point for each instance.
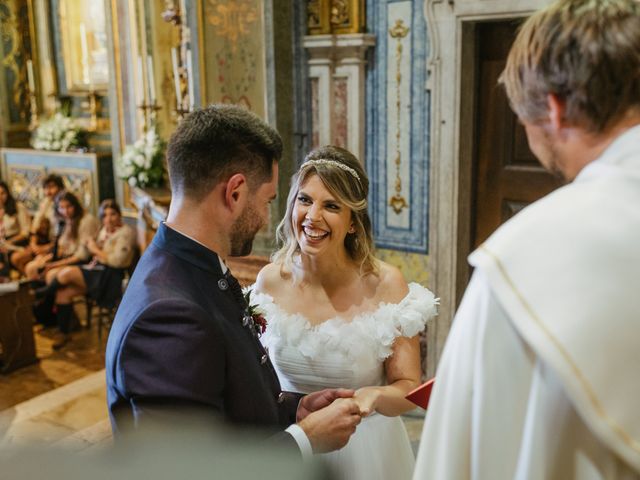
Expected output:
(597, 405)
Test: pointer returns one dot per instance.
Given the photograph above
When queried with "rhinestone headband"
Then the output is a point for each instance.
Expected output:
(332, 163)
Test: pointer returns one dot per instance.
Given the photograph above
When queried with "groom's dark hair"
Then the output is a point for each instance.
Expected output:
(218, 141)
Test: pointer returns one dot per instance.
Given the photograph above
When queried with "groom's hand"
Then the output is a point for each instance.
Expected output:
(331, 427)
(318, 400)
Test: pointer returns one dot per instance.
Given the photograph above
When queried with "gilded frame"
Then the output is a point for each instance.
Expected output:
(82, 38)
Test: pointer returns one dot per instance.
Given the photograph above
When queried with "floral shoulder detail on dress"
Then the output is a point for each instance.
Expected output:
(369, 333)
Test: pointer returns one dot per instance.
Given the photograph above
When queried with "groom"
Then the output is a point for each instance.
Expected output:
(182, 350)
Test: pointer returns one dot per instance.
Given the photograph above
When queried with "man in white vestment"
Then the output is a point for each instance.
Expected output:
(540, 377)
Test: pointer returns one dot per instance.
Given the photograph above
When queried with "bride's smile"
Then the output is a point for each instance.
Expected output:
(320, 222)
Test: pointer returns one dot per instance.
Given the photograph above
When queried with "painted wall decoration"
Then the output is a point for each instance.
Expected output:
(234, 33)
(398, 126)
(14, 47)
(414, 266)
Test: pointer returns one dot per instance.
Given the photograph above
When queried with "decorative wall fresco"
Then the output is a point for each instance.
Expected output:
(233, 32)
(397, 125)
(414, 266)
(14, 47)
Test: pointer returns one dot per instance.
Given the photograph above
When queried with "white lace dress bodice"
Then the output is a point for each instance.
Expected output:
(339, 353)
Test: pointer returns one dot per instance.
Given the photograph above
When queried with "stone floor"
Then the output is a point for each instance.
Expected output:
(62, 400)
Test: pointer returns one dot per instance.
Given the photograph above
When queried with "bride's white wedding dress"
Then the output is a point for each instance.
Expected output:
(350, 354)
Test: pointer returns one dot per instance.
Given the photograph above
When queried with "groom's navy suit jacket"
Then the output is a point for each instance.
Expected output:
(177, 345)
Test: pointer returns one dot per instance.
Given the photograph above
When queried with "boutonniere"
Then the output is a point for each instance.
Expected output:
(259, 323)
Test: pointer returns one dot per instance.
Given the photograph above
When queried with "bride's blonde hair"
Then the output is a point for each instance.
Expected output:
(343, 175)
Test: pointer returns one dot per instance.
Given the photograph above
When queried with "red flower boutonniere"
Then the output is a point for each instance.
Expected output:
(259, 322)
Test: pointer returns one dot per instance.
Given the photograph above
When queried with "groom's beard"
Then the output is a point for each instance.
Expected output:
(244, 231)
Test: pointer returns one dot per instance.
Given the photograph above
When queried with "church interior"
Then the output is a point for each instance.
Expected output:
(90, 93)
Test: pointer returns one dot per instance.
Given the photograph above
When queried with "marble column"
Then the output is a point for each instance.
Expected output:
(337, 77)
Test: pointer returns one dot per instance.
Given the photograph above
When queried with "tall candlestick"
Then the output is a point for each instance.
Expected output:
(84, 47)
(139, 82)
(32, 85)
(176, 77)
(150, 79)
(190, 78)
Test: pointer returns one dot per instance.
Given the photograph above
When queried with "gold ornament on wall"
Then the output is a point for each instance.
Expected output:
(335, 16)
(339, 13)
(318, 17)
(398, 31)
(233, 19)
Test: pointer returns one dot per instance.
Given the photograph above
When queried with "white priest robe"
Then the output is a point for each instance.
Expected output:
(540, 377)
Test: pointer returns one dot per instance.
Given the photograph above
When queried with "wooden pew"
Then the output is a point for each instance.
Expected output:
(17, 344)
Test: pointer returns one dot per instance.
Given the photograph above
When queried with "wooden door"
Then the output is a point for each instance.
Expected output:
(507, 176)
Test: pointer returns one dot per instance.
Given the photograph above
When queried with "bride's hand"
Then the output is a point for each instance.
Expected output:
(319, 400)
(367, 399)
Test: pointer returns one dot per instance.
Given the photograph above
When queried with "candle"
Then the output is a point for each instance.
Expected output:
(84, 48)
(150, 79)
(139, 81)
(176, 76)
(190, 78)
(32, 85)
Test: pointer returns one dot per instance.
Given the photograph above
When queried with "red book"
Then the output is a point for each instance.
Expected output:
(420, 396)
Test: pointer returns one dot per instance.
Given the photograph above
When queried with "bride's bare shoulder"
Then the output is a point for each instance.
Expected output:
(272, 278)
(391, 284)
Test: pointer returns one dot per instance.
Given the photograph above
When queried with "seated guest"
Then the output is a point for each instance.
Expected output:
(42, 226)
(101, 279)
(70, 245)
(14, 226)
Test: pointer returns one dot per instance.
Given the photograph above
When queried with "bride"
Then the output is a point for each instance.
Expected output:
(339, 317)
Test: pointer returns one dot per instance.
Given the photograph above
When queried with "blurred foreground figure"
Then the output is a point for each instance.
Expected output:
(193, 453)
(539, 378)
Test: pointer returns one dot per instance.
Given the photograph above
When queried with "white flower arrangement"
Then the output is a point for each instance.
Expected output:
(58, 133)
(141, 164)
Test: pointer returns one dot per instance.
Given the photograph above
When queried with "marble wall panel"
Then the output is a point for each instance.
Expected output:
(340, 113)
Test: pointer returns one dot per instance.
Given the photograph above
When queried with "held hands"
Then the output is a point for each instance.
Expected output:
(331, 427)
(367, 399)
(318, 400)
